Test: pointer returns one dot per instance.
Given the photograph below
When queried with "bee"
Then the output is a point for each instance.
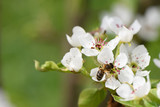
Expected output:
(106, 68)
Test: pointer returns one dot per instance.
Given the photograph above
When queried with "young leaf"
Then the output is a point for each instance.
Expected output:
(50, 66)
(91, 97)
(148, 103)
(154, 83)
(133, 103)
(153, 96)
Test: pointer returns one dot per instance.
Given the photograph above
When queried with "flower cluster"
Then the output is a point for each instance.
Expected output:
(123, 70)
(149, 21)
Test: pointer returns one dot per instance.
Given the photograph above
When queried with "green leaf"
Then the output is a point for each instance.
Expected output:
(133, 103)
(154, 83)
(50, 66)
(91, 97)
(148, 103)
(153, 96)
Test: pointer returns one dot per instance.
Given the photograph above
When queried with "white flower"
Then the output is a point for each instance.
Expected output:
(138, 89)
(158, 90)
(150, 22)
(77, 32)
(157, 61)
(120, 10)
(120, 68)
(123, 33)
(73, 60)
(139, 57)
(92, 47)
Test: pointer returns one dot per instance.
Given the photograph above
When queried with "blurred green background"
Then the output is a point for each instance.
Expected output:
(35, 29)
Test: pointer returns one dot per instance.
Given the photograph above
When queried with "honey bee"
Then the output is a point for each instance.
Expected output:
(106, 68)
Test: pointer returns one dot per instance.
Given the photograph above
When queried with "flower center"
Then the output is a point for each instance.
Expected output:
(134, 66)
(99, 43)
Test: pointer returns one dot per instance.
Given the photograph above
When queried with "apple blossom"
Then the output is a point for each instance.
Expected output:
(139, 58)
(125, 34)
(77, 32)
(120, 10)
(73, 60)
(138, 89)
(92, 46)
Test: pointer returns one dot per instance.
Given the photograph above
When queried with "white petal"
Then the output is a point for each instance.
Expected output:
(142, 73)
(76, 64)
(125, 35)
(141, 56)
(139, 50)
(127, 50)
(131, 48)
(121, 60)
(144, 61)
(69, 39)
(67, 58)
(123, 49)
(75, 52)
(93, 74)
(157, 62)
(73, 60)
(78, 30)
(115, 24)
(90, 52)
(125, 91)
(135, 27)
(113, 43)
(158, 90)
(105, 24)
(105, 56)
(144, 89)
(138, 82)
(112, 83)
(87, 41)
(126, 75)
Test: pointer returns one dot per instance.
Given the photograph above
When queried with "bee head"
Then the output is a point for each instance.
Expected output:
(109, 66)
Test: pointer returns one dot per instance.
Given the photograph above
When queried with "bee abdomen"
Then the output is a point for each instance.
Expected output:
(100, 74)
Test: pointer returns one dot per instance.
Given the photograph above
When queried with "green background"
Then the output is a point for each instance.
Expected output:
(35, 29)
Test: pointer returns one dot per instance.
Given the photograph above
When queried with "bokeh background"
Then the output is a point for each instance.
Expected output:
(36, 29)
